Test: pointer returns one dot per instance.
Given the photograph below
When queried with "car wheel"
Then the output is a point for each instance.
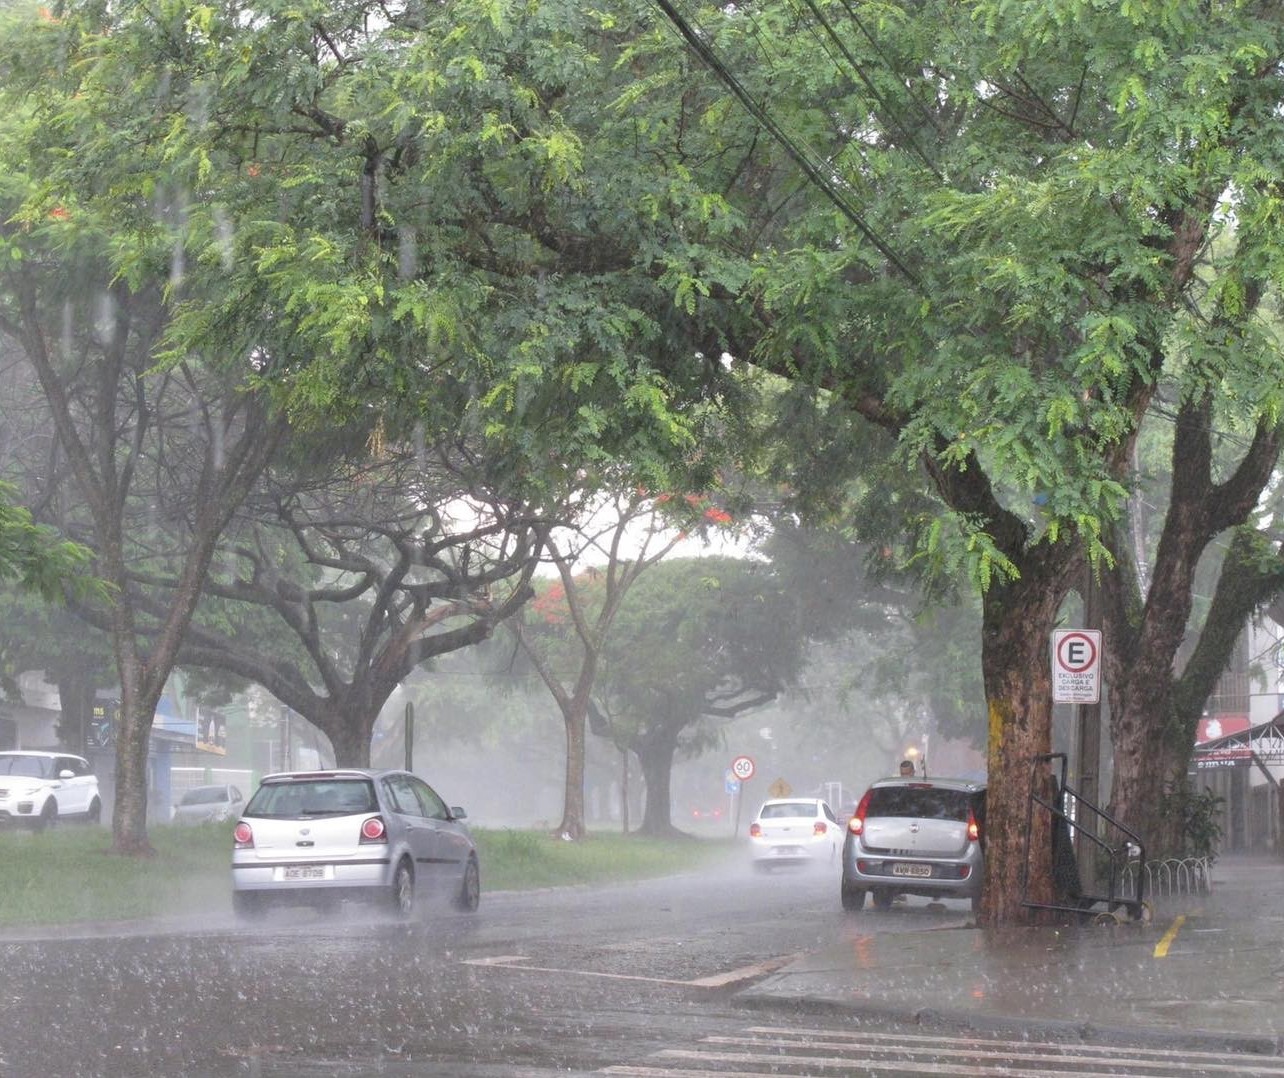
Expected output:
(248, 905)
(853, 898)
(95, 813)
(469, 896)
(402, 893)
(976, 905)
(882, 898)
(47, 818)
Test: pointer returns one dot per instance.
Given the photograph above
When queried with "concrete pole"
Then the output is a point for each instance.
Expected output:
(410, 735)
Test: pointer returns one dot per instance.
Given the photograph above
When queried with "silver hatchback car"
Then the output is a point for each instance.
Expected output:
(912, 836)
(315, 837)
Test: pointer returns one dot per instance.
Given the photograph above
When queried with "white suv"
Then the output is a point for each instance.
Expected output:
(40, 788)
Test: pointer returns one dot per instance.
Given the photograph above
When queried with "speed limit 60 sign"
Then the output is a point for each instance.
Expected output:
(742, 767)
(1076, 666)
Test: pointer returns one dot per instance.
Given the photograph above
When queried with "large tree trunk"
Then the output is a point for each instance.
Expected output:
(656, 758)
(1154, 712)
(1018, 621)
(350, 740)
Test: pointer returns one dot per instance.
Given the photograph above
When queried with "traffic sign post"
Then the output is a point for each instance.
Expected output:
(742, 769)
(1076, 666)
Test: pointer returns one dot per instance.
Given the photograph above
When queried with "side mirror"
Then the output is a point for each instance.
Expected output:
(66, 773)
(456, 813)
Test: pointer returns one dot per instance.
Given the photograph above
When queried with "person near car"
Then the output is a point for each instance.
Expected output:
(907, 769)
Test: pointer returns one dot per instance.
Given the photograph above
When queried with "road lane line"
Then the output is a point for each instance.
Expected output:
(1166, 941)
(954, 1040)
(718, 980)
(744, 973)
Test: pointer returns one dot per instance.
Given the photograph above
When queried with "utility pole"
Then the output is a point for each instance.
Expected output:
(410, 735)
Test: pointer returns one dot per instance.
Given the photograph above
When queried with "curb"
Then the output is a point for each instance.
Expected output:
(1049, 1029)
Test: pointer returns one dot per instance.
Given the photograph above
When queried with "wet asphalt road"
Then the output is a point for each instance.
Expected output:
(539, 983)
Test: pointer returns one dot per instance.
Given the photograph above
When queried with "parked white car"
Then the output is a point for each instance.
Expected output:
(39, 789)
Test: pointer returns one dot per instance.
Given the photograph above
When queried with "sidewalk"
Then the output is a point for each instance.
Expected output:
(1207, 972)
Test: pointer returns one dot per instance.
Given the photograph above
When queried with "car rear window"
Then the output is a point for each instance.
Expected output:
(787, 810)
(313, 797)
(923, 802)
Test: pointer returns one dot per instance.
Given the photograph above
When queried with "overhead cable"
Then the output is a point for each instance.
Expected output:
(798, 153)
(891, 114)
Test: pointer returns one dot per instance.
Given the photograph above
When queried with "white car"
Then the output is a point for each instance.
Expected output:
(38, 789)
(795, 830)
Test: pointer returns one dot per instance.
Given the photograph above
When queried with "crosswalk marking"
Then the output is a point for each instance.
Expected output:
(767, 1051)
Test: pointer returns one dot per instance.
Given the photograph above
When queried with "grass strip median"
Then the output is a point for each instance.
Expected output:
(69, 874)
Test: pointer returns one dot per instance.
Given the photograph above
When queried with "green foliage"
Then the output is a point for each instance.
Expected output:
(697, 641)
(433, 212)
(1201, 813)
(38, 560)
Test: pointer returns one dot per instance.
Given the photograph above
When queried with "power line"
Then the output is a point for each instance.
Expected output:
(798, 153)
(852, 62)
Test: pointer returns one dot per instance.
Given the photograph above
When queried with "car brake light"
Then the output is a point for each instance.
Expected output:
(243, 835)
(857, 823)
(755, 830)
(373, 830)
(973, 828)
(820, 827)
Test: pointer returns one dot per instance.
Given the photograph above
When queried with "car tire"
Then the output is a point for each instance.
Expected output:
(48, 816)
(469, 895)
(883, 898)
(401, 895)
(95, 813)
(853, 898)
(976, 905)
(248, 905)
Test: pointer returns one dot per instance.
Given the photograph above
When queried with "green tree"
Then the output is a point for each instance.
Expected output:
(614, 539)
(697, 642)
(411, 211)
(86, 296)
(1004, 254)
(348, 583)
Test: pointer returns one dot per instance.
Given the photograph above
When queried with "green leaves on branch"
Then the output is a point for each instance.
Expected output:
(38, 560)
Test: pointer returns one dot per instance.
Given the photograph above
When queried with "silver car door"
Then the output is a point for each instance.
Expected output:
(420, 832)
(453, 842)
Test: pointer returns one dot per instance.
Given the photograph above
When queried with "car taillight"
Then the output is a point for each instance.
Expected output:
(820, 827)
(973, 828)
(857, 823)
(373, 830)
(243, 835)
(755, 830)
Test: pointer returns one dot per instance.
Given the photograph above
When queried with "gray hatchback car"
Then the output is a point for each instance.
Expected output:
(314, 837)
(915, 836)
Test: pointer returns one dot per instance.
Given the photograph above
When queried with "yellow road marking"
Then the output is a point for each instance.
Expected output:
(1161, 948)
